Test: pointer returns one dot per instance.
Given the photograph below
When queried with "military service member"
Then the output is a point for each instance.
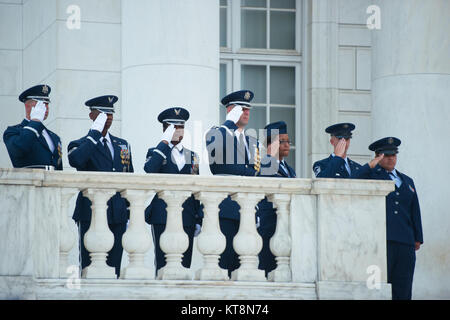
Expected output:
(30, 144)
(101, 151)
(232, 152)
(170, 156)
(278, 146)
(403, 222)
(338, 165)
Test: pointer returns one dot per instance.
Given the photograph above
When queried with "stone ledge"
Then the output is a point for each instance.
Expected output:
(42, 289)
(335, 290)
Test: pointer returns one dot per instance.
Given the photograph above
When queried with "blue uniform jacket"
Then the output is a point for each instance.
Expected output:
(334, 167)
(403, 221)
(266, 212)
(216, 144)
(27, 146)
(88, 154)
(159, 160)
(217, 150)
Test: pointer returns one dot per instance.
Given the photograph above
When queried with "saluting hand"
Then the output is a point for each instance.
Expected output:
(235, 114)
(375, 161)
(38, 112)
(339, 148)
(99, 122)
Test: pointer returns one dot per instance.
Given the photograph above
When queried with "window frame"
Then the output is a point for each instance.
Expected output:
(234, 57)
(233, 29)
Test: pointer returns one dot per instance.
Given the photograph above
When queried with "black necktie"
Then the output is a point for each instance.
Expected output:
(105, 146)
(284, 167)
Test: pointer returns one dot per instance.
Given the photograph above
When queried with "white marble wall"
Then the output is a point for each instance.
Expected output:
(411, 81)
(340, 66)
(354, 79)
(10, 69)
(175, 63)
(78, 64)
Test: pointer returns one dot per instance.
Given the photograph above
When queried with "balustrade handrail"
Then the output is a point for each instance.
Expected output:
(153, 181)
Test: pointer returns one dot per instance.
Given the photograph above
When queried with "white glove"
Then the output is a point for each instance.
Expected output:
(235, 114)
(38, 111)
(168, 134)
(99, 122)
(198, 229)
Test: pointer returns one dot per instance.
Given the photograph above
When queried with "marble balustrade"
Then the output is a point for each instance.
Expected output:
(328, 231)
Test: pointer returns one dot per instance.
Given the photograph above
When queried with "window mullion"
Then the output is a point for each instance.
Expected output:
(235, 10)
(236, 75)
(268, 25)
(267, 93)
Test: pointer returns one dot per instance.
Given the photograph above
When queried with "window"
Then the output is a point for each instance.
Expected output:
(260, 51)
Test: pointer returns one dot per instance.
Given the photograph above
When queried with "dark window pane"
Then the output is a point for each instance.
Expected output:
(253, 29)
(282, 30)
(254, 78)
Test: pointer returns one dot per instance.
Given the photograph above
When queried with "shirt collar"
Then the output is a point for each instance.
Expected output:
(108, 137)
(179, 146)
(394, 172)
(346, 158)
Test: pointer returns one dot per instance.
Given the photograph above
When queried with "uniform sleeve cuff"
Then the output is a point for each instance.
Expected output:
(230, 125)
(38, 126)
(94, 134)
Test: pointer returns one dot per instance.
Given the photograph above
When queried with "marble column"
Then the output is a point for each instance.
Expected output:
(411, 101)
(67, 236)
(211, 242)
(137, 240)
(247, 242)
(280, 243)
(170, 57)
(174, 241)
(98, 240)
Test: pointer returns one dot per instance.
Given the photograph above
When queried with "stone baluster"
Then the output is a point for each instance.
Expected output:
(174, 241)
(98, 240)
(280, 243)
(137, 240)
(67, 235)
(247, 242)
(211, 242)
